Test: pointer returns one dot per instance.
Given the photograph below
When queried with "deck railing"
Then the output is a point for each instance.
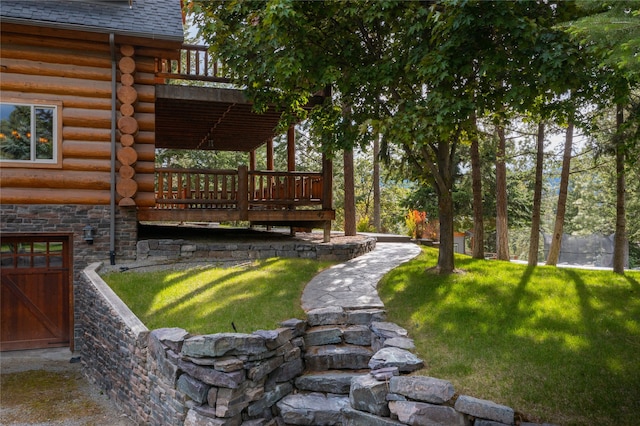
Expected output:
(195, 63)
(237, 189)
(269, 188)
(195, 188)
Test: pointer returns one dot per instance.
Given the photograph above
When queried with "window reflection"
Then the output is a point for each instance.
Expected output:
(26, 132)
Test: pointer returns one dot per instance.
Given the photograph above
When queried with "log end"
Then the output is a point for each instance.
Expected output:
(127, 188)
(127, 202)
(127, 156)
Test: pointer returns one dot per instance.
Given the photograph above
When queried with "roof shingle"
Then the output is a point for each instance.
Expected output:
(157, 19)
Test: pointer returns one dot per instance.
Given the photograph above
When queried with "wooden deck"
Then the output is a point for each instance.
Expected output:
(212, 117)
(297, 199)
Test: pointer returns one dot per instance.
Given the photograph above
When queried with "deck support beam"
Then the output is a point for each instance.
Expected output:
(243, 191)
(270, 154)
(291, 148)
(252, 160)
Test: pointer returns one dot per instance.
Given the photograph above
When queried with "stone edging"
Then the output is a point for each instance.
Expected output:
(185, 250)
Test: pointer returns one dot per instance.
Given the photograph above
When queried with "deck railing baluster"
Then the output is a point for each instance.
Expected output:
(223, 194)
(205, 190)
(170, 186)
(215, 187)
(197, 186)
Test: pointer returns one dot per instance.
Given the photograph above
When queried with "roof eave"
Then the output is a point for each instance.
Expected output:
(91, 29)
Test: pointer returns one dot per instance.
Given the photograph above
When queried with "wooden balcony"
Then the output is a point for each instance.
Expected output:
(297, 199)
(211, 117)
(194, 63)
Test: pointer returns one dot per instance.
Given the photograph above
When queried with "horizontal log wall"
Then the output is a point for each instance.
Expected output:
(78, 74)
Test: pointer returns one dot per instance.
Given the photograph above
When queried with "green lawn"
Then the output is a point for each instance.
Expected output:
(253, 296)
(559, 345)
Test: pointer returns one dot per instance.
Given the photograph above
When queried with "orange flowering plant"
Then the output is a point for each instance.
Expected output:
(416, 222)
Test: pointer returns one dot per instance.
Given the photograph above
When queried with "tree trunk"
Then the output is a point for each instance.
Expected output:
(442, 172)
(619, 247)
(376, 185)
(445, 214)
(502, 224)
(556, 239)
(477, 248)
(349, 195)
(534, 239)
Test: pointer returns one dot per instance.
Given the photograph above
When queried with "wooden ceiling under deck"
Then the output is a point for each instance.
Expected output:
(207, 118)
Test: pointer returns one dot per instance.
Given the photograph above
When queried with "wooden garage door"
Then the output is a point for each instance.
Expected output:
(36, 297)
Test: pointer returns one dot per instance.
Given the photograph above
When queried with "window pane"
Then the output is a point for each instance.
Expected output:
(39, 261)
(6, 255)
(24, 262)
(15, 132)
(8, 248)
(55, 261)
(55, 247)
(44, 133)
(39, 247)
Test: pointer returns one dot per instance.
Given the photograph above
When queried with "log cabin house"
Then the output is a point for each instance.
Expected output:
(85, 102)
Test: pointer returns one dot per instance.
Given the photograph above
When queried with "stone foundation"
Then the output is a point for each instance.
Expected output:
(54, 218)
(160, 250)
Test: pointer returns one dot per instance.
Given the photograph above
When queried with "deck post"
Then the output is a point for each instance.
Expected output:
(327, 183)
(270, 154)
(291, 148)
(252, 160)
(269, 149)
(327, 232)
(243, 192)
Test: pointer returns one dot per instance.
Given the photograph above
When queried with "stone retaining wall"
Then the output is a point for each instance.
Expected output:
(113, 346)
(185, 250)
(168, 377)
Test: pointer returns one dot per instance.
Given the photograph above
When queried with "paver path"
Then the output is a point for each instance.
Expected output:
(352, 284)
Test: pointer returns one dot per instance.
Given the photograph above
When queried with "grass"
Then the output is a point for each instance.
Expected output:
(556, 344)
(253, 296)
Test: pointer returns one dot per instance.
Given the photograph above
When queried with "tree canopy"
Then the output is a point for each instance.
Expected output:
(417, 72)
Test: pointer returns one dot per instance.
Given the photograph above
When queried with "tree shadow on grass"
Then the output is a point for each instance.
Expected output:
(540, 339)
(155, 283)
(211, 305)
(634, 283)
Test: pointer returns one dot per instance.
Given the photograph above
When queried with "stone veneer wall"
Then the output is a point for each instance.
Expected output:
(184, 250)
(52, 218)
(73, 218)
(113, 346)
(167, 377)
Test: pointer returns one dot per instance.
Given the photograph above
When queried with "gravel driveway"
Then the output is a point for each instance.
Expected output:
(43, 387)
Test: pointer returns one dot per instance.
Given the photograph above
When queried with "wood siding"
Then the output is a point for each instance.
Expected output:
(38, 68)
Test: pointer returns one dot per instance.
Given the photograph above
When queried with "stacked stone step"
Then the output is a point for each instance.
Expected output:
(356, 375)
(222, 379)
(343, 348)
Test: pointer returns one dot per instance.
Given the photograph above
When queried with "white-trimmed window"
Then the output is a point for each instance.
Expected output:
(29, 133)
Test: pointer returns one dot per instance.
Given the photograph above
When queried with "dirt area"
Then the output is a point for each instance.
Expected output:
(46, 387)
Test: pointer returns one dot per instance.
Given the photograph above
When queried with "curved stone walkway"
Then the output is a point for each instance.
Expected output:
(352, 285)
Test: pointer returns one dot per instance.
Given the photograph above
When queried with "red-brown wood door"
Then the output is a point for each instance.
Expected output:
(36, 307)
